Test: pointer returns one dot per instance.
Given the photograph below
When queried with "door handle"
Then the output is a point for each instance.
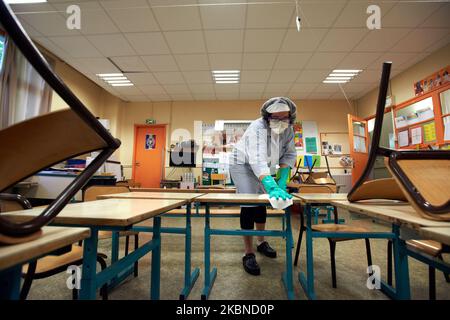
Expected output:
(137, 164)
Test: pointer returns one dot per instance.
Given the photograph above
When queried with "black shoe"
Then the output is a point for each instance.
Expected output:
(266, 250)
(250, 264)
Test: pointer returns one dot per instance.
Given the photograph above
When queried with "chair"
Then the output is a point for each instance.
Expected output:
(91, 194)
(51, 264)
(329, 227)
(429, 247)
(38, 143)
(419, 177)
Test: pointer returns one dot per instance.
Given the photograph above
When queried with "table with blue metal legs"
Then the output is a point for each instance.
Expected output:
(242, 199)
(14, 256)
(190, 276)
(406, 224)
(112, 215)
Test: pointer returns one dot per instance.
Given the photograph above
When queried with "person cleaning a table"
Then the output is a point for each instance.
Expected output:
(266, 147)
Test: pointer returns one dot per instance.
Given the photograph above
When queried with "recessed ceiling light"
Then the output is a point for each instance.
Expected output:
(119, 81)
(122, 84)
(114, 78)
(226, 76)
(102, 75)
(341, 75)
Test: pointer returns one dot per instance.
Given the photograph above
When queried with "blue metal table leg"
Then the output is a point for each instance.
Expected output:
(287, 276)
(308, 282)
(210, 276)
(283, 224)
(114, 254)
(189, 279)
(156, 260)
(88, 289)
(401, 266)
(10, 283)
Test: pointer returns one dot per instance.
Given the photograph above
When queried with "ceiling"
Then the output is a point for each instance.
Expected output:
(169, 48)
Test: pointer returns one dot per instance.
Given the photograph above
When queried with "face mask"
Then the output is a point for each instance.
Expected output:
(278, 126)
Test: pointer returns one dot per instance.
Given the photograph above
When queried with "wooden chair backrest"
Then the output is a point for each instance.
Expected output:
(38, 143)
(317, 188)
(91, 193)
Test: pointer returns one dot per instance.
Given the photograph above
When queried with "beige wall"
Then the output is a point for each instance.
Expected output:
(402, 84)
(330, 115)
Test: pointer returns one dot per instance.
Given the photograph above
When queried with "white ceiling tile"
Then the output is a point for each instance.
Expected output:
(358, 60)
(439, 19)
(160, 62)
(303, 87)
(290, 61)
(355, 15)
(321, 60)
(134, 19)
(169, 77)
(298, 95)
(181, 97)
(397, 60)
(252, 87)
(164, 3)
(148, 43)
(313, 76)
(201, 88)
(223, 17)
(191, 62)
(319, 95)
(152, 89)
(176, 89)
(132, 90)
(138, 98)
(141, 78)
(280, 88)
(270, 15)
(49, 23)
(264, 40)
(368, 76)
(159, 97)
(111, 45)
(30, 7)
(250, 95)
(439, 44)
(227, 96)
(96, 65)
(94, 19)
(320, 14)
(50, 46)
(77, 46)
(220, 41)
(198, 77)
(204, 96)
(283, 76)
(185, 41)
(130, 64)
(260, 76)
(226, 88)
(225, 61)
(121, 4)
(31, 32)
(420, 39)
(258, 61)
(342, 39)
(327, 87)
(305, 41)
(408, 14)
(178, 18)
(351, 87)
(381, 40)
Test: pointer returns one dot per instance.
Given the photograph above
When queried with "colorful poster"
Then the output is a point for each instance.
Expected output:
(429, 132)
(311, 144)
(298, 135)
(316, 161)
(432, 82)
(150, 141)
(308, 161)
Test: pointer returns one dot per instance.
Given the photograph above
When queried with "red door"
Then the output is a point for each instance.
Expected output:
(359, 145)
(148, 160)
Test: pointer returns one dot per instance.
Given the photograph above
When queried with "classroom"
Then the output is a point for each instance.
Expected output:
(224, 150)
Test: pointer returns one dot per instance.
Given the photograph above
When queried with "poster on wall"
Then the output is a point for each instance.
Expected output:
(298, 136)
(433, 81)
(150, 141)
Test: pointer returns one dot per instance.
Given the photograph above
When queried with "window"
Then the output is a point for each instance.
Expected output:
(2, 48)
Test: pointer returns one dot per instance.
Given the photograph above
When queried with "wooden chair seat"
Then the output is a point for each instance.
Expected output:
(430, 247)
(331, 227)
(7, 240)
(50, 263)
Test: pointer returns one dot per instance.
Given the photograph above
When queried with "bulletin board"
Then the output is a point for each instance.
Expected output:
(335, 139)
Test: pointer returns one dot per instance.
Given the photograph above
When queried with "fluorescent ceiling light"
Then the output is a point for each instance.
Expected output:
(342, 74)
(102, 75)
(226, 79)
(347, 71)
(334, 81)
(223, 82)
(119, 81)
(226, 76)
(122, 84)
(226, 71)
(114, 78)
(339, 78)
(24, 1)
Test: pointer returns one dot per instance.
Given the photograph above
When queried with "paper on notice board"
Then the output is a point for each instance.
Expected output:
(403, 138)
(447, 131)
(416, 135)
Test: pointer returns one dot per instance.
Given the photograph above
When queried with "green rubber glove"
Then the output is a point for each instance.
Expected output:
(283, 177)
(273, 189)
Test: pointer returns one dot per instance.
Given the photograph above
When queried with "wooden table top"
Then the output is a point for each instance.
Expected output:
(440, 234)
(52, 238)
(320, 197)
(176, 190)
(397, 213)
(238, 198)
(109, 212)
(152, 195)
